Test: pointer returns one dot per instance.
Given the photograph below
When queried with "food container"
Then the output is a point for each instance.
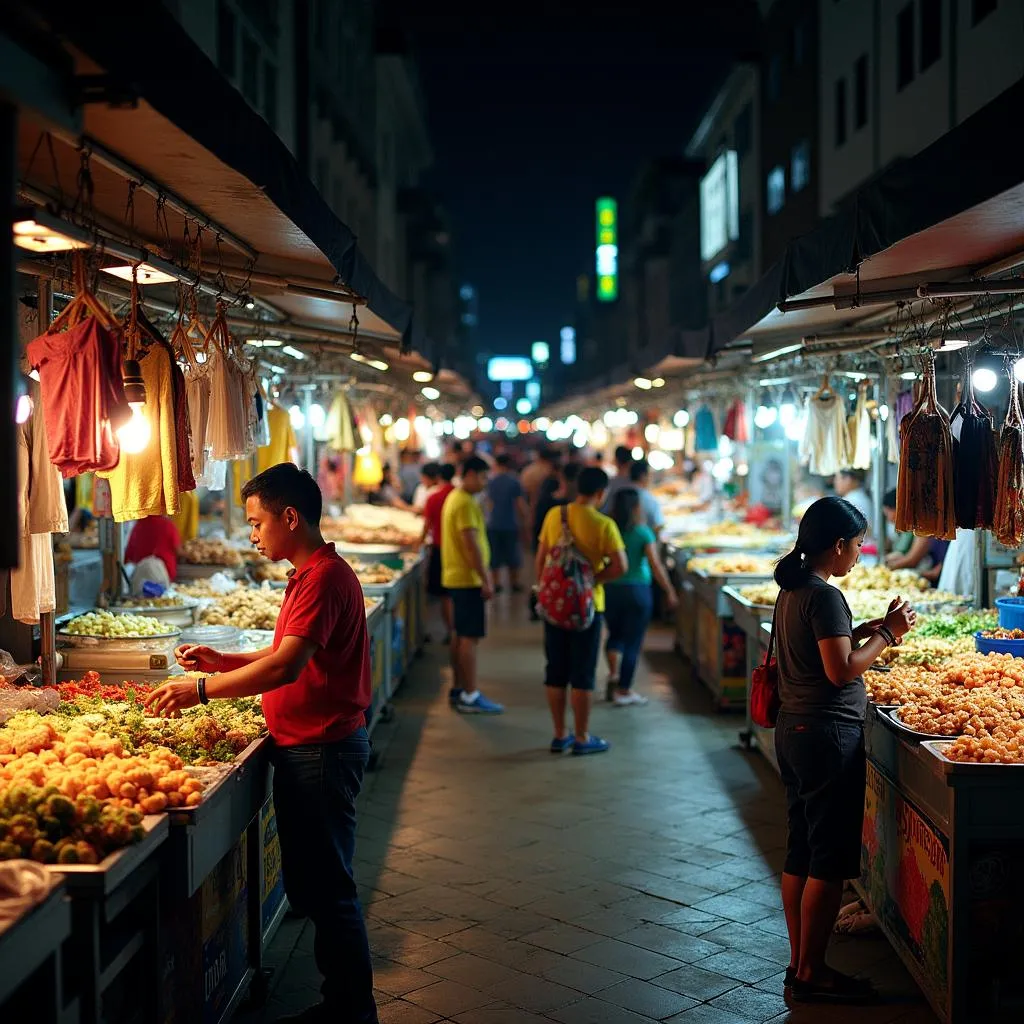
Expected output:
(220, 638)
(990, 645)
(1011, 612)
(175, 615)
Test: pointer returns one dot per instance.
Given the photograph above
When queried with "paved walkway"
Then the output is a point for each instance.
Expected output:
(507, 886)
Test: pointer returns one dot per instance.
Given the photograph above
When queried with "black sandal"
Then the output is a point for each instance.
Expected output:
(841, 989)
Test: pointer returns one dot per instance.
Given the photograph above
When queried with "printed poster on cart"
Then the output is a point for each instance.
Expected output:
(905, 872)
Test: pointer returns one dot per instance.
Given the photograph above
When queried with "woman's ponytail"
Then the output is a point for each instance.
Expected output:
(791, 571)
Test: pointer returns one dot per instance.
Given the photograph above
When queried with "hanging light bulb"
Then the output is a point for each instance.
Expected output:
(23, 409)
(985, 379)
(765, 416)
(134, 435)
(297, 417)
(787, 409)
(317, 416)
(795, 428)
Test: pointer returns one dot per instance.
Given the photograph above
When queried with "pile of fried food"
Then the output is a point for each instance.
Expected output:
(372, 573)
(201, 551)
(245, 608)
(729, 565)
(276, 572)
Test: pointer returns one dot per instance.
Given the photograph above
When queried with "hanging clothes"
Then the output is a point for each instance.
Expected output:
(146, 483)
(282, 447)
(82, 395)
(42, 510)
(860, 433)
(187, 519)
(825, 448)
(229, 430)
(706, 432)
(735, 427)
(340, 428)
(197, 399)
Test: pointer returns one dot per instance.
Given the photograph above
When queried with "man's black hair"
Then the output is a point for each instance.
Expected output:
(592, 480)
(504, 460)
(447, 472)
(623, 455)
(474, 464)
(286, 486)
(639, 470)
(571, 472)
(431, 470)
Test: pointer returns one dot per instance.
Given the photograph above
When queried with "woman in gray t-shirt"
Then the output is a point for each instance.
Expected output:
(819, 737)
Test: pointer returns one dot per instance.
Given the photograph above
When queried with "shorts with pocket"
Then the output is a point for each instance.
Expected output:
(469, 612)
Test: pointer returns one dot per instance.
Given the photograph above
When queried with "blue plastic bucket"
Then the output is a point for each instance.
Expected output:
(987, 645)
(1011, 612)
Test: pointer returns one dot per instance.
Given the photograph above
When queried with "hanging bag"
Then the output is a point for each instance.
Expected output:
(765, 701)
(565, 594)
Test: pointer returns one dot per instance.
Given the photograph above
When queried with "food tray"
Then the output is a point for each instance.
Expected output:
(118, 639)
(367, 549)
(890, 716)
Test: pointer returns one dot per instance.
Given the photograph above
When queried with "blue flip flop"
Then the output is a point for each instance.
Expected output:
(560, 746)
(591, 745)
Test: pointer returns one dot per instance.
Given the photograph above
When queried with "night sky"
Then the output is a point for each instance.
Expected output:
(533, 117)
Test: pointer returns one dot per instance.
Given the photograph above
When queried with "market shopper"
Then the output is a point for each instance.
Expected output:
(316, 688)
(629, 600)
(623, 464)
(849, 484)
(465, 576)
(819, 737)
(640, 479)
(506, 519)
(431, 537)
(572, 655)
(153, 547)
(430, 478)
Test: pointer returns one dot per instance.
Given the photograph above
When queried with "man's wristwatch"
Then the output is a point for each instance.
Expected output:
(201, 690)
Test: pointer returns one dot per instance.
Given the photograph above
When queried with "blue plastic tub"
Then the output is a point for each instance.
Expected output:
(1011, 612)
(986, 645)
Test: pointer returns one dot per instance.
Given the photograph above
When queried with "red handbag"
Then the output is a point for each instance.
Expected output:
(765, 701)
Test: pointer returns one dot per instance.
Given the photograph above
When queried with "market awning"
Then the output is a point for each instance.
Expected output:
(194, 134)
(949, 213)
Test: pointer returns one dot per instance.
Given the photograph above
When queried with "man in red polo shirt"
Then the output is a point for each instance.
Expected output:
(432, 535)
(316, 688)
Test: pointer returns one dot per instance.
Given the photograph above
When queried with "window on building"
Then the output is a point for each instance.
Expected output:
(270, 93)
(251, 68)
(981, 9)
(800, 169)
(860, 92)
(840, 112)
(743, 131)
(227, 45)
(776, 192)
(905, 47)
(774, 77)
(931, 32)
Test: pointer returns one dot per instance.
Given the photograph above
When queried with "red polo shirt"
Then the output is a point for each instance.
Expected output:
(432, 511)
(329, 700)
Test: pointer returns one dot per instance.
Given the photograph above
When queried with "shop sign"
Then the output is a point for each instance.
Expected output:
(905, 872)
(272, 895)
(607, 253)
(719, 205)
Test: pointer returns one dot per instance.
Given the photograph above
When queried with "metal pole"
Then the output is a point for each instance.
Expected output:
(47, 627)
(878, 468)
(310, 444)
(8, 329)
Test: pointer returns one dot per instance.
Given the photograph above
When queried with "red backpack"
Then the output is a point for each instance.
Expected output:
(565, 594)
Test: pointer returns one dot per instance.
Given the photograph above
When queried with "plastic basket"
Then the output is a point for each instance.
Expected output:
(1011, 612)
(987, 645)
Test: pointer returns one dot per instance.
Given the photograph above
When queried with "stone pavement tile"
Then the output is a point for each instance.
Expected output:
(627, 959)
(775, 923)
(596, 1011)
(742, 966)
(735, 909)
(645, 907)
(401, 1012)
(533, 993)
(676, 944)
(752, 1003)
(448, 998)
(514, 924)
(610, 921)
(691, 921)
(647, 999)
(426, 922)
(499, 1013)
(394, 883)
(565, 907)
(715, 880)
(397, 980)
(696, 982)
(474, 971)
(519, 894)
(561, 938)
(583, 977)
(715, 1015)
(750, 939)
(766, 891)
(753, 869)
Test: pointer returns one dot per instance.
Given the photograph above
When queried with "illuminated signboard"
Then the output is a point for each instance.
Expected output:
(501, 368)
(568, 347)
(719, 205)
(607, 250)
(540, 352)
(533, 391)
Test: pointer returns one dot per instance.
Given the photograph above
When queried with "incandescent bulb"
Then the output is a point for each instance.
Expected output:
(985, 379)
(765, 416)
(883, 412)
(795, 428)
(787, 415)
(23, 409)
(134, 435)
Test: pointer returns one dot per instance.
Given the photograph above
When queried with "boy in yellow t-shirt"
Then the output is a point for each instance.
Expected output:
(572, 655)
(465, 576)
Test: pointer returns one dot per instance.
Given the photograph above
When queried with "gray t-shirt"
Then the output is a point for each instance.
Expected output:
(815, 612)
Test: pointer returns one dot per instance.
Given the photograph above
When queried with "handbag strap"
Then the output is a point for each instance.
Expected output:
(771, 636)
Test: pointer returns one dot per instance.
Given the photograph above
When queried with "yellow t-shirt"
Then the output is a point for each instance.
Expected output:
(282, 442)
(597, 538)
(187, 519)
(461, 512)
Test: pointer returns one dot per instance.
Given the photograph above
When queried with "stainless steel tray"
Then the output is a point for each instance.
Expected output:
(889, 714)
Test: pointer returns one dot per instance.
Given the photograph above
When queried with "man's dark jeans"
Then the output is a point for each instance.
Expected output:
(315, 790)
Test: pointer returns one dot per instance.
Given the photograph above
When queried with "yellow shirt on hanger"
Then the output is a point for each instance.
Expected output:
(187, 519)
(146, 484)
(282, 442)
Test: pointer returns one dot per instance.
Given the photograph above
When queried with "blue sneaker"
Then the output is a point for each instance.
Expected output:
(454, 695)
(591, 745)
(480, 706)
(560, 746)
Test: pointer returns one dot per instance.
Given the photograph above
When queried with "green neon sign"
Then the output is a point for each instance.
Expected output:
(607, 252)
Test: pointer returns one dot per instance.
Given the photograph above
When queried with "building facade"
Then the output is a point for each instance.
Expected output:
(895, 75)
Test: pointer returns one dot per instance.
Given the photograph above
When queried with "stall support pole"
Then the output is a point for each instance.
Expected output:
(8, 329)
(47, 629)
(878, 468)
(310, 445)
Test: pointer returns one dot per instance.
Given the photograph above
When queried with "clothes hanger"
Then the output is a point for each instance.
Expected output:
(83, 305)
(825, 392)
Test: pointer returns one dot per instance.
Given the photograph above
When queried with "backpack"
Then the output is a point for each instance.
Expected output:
(565, 594)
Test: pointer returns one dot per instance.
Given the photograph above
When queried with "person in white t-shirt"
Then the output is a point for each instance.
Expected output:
(849, 484)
